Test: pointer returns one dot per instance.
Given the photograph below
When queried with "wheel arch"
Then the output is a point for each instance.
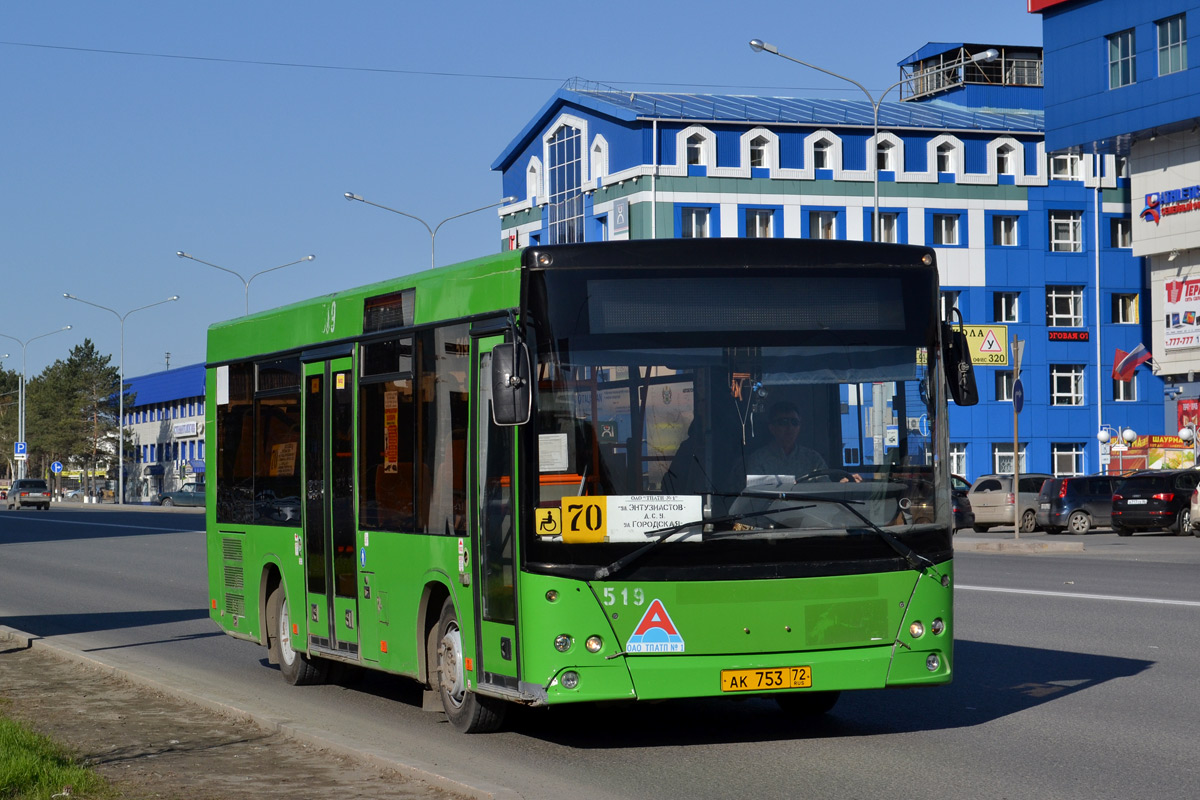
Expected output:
(270, 579)
(429, 612)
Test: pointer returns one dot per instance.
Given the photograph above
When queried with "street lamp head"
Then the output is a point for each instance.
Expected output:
(351, 196)
(1128, 435)
(991, 54)
(758, 45)
(512, 198)
(308, 258)
(70, 296)
(173, 297)
(1187, 434)
(182, 254)
(1104, 437)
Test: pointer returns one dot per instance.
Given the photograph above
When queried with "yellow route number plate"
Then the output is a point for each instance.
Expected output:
(761, 680)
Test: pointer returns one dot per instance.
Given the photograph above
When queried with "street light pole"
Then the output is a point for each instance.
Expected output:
(759, 46)
(21, 396)
(121, 389)
(245, 281)
(432, 230)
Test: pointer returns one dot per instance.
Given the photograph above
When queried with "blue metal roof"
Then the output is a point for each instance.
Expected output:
(167, 386)
(630, 106)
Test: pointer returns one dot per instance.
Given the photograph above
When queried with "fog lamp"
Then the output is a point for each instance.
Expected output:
(938, 627)
(593, 644)
(933, 662)
(570, 679)
(562, 643)
(916, 630)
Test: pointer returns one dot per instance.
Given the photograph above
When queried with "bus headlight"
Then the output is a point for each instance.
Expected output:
(593, 644)
(916, 630)
(570, 679)
(933, 662)
(562, 643)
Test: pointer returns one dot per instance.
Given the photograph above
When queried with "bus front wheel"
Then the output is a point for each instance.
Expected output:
(296, 668)
(467, 711)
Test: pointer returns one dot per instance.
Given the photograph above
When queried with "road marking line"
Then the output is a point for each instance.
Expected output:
(115, 525)
(1082, 596)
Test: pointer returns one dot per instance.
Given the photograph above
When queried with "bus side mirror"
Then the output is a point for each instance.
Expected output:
(512, 395)
(960, 372)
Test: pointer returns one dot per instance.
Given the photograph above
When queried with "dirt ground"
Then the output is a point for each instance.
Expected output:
(149, 745)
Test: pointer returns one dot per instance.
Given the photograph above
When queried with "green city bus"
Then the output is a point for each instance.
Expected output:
(539, 476)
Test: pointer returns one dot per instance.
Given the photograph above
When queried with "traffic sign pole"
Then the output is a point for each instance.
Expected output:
(1018, 348)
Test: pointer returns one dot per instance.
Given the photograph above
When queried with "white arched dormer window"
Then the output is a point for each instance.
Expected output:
(823, 150)
(945, 155)
(822, 154)
(760, 149)
(696, 147)
(599, 157)
(1006, 160)
(533, 180)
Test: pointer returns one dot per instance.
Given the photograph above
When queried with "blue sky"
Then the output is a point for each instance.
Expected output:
(133, 130)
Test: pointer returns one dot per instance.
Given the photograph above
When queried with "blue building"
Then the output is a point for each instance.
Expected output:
(1028, 244)
(165, 425)
(1121, 81)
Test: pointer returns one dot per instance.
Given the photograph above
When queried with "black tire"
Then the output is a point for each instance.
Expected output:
(1050, 529)
(166, 501)
(981, 528)
(1028, 521)
(1183, 523)
(807, 704)
(467, 711)
(1079, 523)
(296, 668)
(1121, 530)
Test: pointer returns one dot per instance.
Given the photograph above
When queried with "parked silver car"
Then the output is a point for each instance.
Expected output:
(28, 492)
(992, 500)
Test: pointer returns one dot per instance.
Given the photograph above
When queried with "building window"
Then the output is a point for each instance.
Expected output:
(1066, 458)
(1066, 232)
(565, 172)
(758, 223)
(1002, 458)
(1066, 384)
(758, 151)
(695, 150)
(1172, 44)
(1005, 162)
(1122, 71)
(695, 223)
(958, 458)
(1124, 391)
(1068, 167)
(945, 157)
(821, 157)
(885, 156)
(1121, 232)
(945, 229)
(889, 226)
(1004, 385)
(949, 303)
(1004, 230)
(822, 224)
(1125, 309)
(1064, 306)
(1004, 306)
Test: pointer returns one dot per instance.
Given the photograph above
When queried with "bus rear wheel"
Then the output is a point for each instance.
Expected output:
(467, 711)
(296, 668)
(807, 704)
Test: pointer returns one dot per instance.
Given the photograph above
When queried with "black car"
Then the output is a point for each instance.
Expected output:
(960, 505)
(1076, 504)
(1154, 500)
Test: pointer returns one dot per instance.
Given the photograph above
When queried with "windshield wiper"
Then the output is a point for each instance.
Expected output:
(663, 534)
(911, 557)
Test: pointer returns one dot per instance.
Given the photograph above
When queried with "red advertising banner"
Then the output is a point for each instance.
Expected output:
(1038, 5)
(1188, 412)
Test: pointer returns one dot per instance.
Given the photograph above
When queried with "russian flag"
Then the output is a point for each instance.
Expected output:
(1124, 363)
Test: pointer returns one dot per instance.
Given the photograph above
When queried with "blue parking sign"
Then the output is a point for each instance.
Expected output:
(18, 448)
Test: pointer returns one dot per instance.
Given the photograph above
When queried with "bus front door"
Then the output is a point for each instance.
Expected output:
(328, 502)
(494, 529)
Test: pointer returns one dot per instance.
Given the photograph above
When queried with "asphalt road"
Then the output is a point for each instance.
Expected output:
(1076, 678)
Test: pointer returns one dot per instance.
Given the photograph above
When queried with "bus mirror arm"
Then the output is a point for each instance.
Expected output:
(956, 357)
(512, 396)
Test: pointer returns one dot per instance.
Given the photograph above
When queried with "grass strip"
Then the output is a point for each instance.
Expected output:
(34, 767)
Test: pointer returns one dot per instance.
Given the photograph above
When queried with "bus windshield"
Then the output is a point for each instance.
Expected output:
(762, 422)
